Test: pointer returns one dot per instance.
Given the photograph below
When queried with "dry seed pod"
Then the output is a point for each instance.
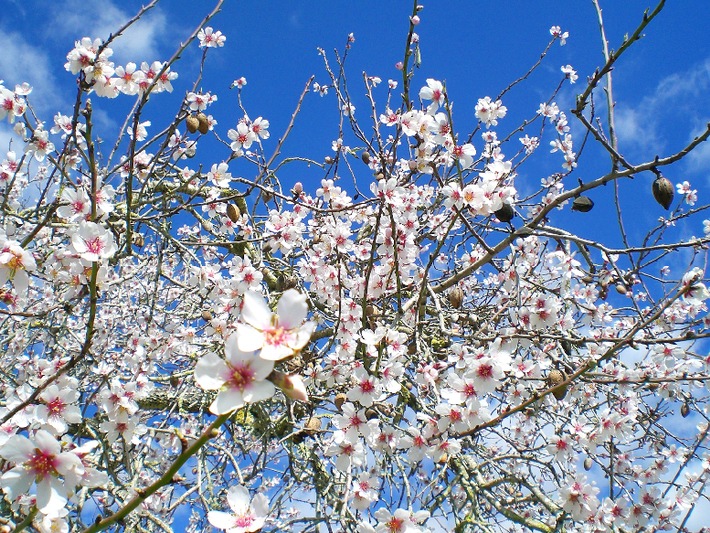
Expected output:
(370, 413)
(621, 288)
(206, 315)
(588, 464)
(456, 297)
(233, 213)
(505, 213)
(663, 191)
(192, 123)
(684, 410)
(366, 158)
(139, 240)
(583, 204)
(203, 123)
(312, 425)
(555, 378)
(340, 400)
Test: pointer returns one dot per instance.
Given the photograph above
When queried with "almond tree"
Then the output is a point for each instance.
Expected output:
(411, 338)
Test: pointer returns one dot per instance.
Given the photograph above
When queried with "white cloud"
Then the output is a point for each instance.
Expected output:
(140, 42)
(21, 62)
(651, 123)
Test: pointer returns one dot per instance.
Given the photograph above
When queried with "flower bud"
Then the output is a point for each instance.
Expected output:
(297, 188)
(291, 384)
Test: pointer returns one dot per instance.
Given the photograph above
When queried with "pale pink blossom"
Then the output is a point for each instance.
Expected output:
(93, 241)
(40, 461)
(278, 335)
(240, 377)
(247, 515)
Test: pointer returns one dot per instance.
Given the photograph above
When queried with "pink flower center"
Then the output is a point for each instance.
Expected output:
(485, 371)
(242, 376)
(95, 245)
(42, 464)
(395, 524)
(243, 521)
(56, 406)
(275, 336)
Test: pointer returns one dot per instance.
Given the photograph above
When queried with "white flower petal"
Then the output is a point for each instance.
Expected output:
(234, 354)
(292, 309)
(238, 499)
(17, 449)
(222, 520)
(271, 352)
(210, 372)
(49, 498)
(248, 338)
(258, 391)
(227, 401)
(256, 311)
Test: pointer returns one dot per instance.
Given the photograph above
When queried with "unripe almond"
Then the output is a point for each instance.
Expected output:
(233, 213)
(192, 123)
(203, 123)
(340, 399)
(456, 297)
(583, 204)
(206, 315)
(588, 464)
(621, 288)
(663, 191)
(505, 213)
(366, 158)
(555, 378)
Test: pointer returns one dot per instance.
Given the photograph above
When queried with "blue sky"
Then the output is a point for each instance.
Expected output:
(662, 87)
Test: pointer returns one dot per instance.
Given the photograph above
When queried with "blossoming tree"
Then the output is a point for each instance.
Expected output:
(409, 339)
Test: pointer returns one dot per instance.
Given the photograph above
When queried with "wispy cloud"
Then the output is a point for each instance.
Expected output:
(667, 115)
(141, 42)
(21, 62)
